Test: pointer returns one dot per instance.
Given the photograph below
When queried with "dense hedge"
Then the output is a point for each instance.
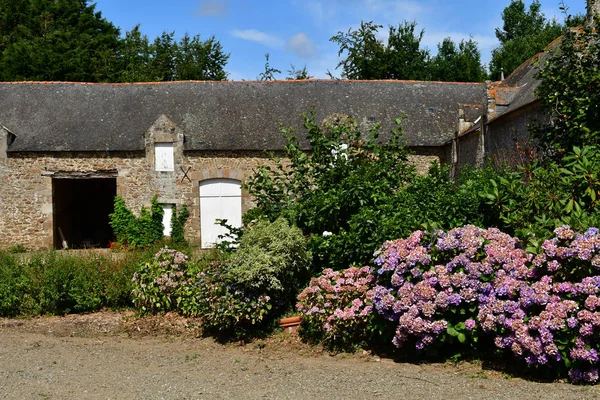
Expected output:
(61, 282)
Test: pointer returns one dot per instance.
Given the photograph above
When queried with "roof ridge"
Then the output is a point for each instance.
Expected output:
(292, 81)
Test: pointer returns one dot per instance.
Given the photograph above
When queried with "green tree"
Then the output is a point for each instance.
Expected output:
(164, 51)
(368, 57)
(452, 64)
(570, 94)
(56, 40)
(200, 60)
(524, 34)
(135, 56)
(67, 40)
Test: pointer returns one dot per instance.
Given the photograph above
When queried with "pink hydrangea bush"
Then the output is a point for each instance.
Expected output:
(431, 285)
(159, 283)
(470, 282)
(552, 321)
(336, 307)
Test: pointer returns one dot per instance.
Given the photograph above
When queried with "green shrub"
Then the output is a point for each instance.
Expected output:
(159, 284)
(227, 309)
(59, 283)
(13, 286)
(272, 259)
(178, 220)
(541, 196)
(351, 191)
(143, 231)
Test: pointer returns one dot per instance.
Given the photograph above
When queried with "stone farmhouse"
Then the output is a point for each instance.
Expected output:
(66, 149)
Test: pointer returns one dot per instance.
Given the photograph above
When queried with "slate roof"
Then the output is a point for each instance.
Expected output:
(50, 117)
(524, 82)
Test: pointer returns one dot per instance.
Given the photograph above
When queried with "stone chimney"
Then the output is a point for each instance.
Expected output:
(593, 10)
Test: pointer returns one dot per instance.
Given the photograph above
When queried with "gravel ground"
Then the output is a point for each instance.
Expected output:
(114, 356)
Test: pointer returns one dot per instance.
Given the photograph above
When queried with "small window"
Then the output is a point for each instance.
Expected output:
(167, 215)
(164, 157)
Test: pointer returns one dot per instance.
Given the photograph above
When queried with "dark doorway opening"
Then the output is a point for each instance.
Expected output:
(81, 208)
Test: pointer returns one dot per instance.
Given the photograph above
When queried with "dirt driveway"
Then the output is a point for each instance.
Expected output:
(115, 356)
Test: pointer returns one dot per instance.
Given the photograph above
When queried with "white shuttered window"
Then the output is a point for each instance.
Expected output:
(219, 199)
(164, 157)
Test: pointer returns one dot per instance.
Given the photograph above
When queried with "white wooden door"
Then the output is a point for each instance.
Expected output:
(167, 215)
(219, 199)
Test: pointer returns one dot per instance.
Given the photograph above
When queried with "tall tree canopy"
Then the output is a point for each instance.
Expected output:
(56, 40)
(367, 56)
(457, 64)
(524, 33)
(67, 40)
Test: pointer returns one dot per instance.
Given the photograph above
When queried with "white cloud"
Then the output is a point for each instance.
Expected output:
(213, 7)
(302, 46)
(254, 35)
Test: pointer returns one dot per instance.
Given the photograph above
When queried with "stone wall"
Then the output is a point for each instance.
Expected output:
(507, 137)
(422, 157)
(469, 150)
(26, 198)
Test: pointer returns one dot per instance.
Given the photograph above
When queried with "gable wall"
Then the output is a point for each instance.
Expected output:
(505, 137)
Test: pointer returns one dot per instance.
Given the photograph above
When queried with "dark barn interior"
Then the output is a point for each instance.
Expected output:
(81, 207)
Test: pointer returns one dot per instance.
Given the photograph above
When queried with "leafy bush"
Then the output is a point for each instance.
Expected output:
(226, 308)
(337, 310)
(532, 201)
(178, 220)
(143, 231)
(272, 259)
(350, 192)
(570, 93)
(159, 284)
(459, 287)
(60, 283)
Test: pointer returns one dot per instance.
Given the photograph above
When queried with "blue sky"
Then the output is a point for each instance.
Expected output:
(298, 31)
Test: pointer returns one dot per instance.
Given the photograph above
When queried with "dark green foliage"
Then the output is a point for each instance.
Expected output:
(63, 40)
(368, 57)
(142, 231)
(350, 192)
(524, 34)
(452, 64)
(570, 94)
(228, 311)
(59, 283)
(68, 40)
(178, 220)
(532, 201)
